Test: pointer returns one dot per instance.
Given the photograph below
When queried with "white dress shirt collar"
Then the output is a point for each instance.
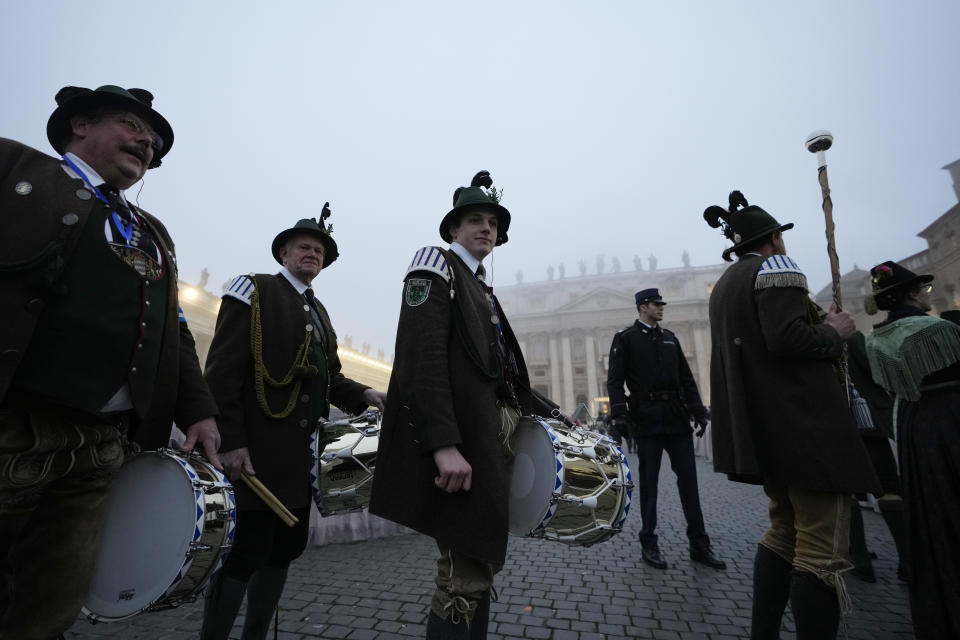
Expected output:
(89, 173)
(471, 262)
(292, 279)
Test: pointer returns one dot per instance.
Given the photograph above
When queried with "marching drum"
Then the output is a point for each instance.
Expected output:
(344, 454)
(169, 526)
(569, 484)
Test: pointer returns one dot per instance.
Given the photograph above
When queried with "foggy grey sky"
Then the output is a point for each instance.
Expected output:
(610, 126)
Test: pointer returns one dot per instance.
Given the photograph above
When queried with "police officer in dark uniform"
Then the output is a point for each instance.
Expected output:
(663, 397)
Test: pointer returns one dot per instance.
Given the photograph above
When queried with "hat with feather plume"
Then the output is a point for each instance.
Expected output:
(310, 227)
(481, 195)
(742, 226)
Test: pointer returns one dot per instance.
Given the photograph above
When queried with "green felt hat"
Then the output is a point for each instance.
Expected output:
(80, 100)
(479, 196)
(310, 227)
(742, 226)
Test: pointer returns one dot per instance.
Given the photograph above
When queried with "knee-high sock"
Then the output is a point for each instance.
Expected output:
(771, 590)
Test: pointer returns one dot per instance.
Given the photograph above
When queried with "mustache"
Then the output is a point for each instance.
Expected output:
(135, 150)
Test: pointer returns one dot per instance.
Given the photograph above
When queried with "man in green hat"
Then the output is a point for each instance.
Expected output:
(271, 396)
(458, 389)
(781, 419)
(95, 359)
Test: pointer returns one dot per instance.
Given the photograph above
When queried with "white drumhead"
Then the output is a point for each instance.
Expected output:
(150, 522)
(534, 476)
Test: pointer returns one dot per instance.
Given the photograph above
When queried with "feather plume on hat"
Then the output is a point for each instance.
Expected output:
(718, 217)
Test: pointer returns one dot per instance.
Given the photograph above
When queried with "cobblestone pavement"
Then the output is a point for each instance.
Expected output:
(379, 589)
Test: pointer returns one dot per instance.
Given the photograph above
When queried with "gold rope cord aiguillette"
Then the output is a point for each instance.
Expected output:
(300, 369)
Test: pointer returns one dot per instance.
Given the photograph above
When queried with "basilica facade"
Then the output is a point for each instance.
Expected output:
(565, 325)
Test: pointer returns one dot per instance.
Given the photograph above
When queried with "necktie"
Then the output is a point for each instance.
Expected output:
(311, 302)
(481, 273)
(113, 197)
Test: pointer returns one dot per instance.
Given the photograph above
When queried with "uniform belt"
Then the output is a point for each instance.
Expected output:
(18, 400)
(660, 396)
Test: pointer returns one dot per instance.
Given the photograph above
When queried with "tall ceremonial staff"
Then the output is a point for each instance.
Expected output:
(818, 142)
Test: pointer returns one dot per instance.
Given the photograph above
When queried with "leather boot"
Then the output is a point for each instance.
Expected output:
(440, 629)
(222, 600)
(892, 512)
(859, 554)
(771, 590)
(478, 627)
(815, 608)
(263, 595)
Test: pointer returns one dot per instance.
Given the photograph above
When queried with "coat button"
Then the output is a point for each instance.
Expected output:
(83, 194)
(304, 423)
(143, 324)
(147, 302)
(133, 370)
(23, 188)
(10, 356)
(70, 219)
(737, 341)
(309, 327)
(35, 306)
(304, 398)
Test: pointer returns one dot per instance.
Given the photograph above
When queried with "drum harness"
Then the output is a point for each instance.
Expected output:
(504, 368)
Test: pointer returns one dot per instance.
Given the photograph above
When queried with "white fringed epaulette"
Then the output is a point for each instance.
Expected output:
(241, 288)
(780, 271)
(430, 259)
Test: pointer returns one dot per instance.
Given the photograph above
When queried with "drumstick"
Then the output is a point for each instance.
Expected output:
(269, 499)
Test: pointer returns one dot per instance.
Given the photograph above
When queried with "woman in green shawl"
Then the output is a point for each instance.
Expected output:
(917, 358)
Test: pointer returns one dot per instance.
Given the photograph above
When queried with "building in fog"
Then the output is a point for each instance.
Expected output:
(201, 307)
(941, 258)
(565, 324)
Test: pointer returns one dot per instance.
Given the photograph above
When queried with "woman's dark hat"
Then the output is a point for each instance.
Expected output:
(890, 276)
(742, 226)
(80, 100)
(310, 227)
(888, 282)
(482, 196)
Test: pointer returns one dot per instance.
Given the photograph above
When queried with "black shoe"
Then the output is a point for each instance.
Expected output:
(903, 572)
(705, 556)
(864, 573)
(653, 558)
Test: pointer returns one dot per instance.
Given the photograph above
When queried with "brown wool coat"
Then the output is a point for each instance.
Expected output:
(30, 227)
(279, 448)
(439, 396)
(779, 412)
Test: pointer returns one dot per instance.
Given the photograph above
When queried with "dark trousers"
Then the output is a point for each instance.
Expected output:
(679, 448)
(263, 540)
(56, 468)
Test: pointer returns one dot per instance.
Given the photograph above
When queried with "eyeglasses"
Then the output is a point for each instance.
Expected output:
(138, 126)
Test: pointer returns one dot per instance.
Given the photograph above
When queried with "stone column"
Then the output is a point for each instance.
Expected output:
(568, 401)
(591, 374)
(554, 370)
